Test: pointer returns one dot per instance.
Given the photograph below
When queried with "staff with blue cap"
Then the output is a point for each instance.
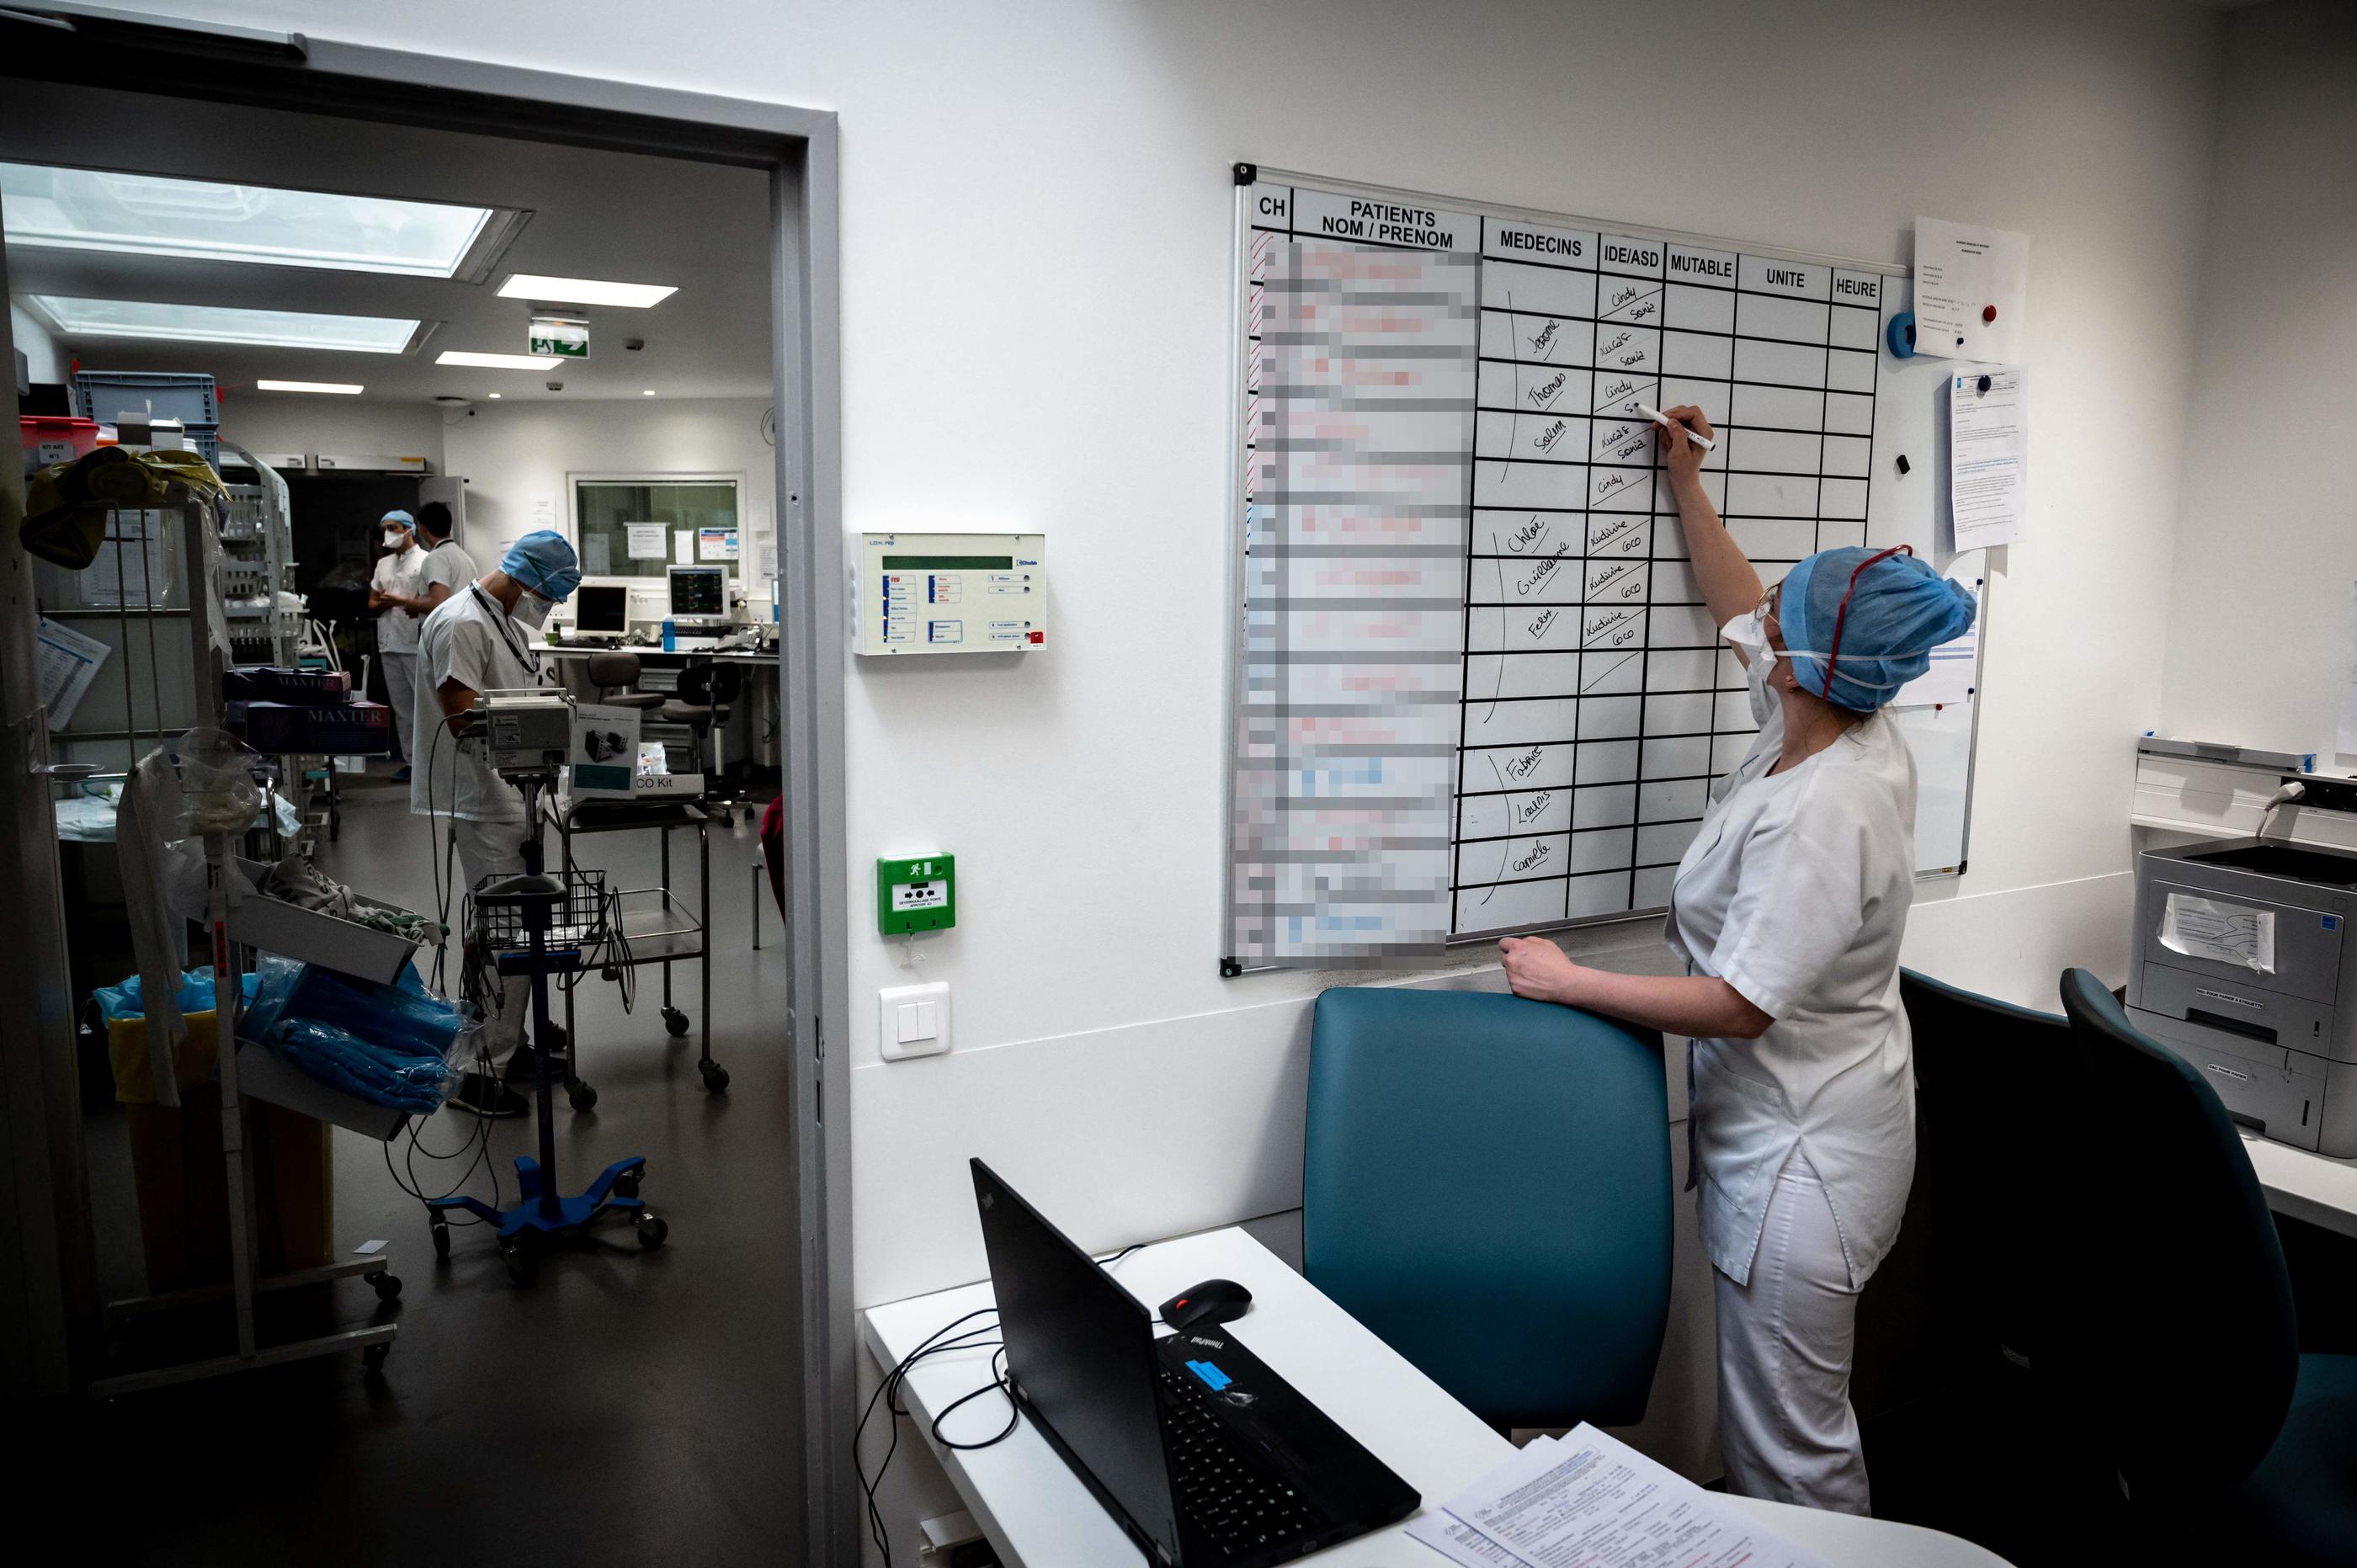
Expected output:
(480, 640)
(1789, 910)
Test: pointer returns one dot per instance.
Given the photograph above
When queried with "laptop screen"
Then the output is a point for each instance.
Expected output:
(1082, 1352)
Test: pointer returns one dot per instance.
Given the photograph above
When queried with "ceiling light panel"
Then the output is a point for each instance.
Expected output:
(156, 321)
(195, 219)
(498, 362)
(344, 389)
(586, 291)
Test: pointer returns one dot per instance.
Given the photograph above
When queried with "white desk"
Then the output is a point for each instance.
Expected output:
(1038, 1515)
(2311, 1187)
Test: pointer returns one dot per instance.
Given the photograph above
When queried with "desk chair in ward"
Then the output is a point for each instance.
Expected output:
(1486, 1186)
(615, 677)
(2221, 1432)
(706, 692)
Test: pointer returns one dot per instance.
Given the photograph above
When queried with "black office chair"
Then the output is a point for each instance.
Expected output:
(616, 676)
(2230, 1445)
(706, 692)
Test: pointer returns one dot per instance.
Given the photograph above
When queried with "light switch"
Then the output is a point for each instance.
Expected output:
(913, 1020)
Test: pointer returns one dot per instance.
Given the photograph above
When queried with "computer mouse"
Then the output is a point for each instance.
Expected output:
(1214, 1301)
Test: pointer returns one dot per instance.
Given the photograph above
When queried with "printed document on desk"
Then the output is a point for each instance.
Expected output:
(1988, 455)
(1586, 1500)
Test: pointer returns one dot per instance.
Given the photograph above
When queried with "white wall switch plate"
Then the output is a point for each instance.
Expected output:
(913, 1020)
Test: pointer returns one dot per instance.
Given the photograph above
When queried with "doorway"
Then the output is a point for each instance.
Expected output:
(715, 1383)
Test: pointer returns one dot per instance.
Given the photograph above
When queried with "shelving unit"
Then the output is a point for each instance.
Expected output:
(199, 703)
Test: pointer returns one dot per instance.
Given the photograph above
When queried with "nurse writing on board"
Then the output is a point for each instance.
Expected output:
(1789, 909)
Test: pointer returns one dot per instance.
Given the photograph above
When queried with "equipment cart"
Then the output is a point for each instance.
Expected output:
(652, 924)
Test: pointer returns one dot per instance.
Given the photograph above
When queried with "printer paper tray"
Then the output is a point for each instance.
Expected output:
(2253, 1079)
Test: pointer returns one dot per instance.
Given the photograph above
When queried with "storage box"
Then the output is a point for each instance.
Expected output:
(187, 396)
(276, 683)
(182, 1184)
(55, 438)
(313, 936)
(279, 728)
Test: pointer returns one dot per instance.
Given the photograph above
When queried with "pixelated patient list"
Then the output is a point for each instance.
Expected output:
(1479, 691)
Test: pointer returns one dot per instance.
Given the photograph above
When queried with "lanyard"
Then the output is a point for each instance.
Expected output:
(524, 656)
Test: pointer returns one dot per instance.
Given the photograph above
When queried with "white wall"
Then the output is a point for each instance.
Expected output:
(312, 423)
(45, 359)
(2267, 538)
(513, 459)
(1036, 272)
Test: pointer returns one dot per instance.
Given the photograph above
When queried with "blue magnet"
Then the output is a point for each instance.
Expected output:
(1901, 336)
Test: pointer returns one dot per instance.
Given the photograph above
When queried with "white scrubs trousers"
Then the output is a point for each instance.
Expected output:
(488, 849)
(401, 696)
(1786, 1341)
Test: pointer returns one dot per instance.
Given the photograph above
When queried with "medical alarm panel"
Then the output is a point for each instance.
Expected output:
(950, 592)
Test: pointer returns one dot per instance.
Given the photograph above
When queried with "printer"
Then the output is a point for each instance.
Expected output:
(2242, 967)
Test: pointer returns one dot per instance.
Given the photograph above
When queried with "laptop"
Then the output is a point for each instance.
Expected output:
(1205, 1455)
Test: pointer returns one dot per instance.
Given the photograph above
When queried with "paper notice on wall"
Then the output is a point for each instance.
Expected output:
(69, 663)
(1988, 455)
(647, 541)
(2222, 932)
(682, 546)
(1971, 286)
(2346, 739)
(715, 545)
(544, 513)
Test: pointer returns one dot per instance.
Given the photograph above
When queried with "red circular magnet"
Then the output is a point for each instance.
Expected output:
(1988, 313)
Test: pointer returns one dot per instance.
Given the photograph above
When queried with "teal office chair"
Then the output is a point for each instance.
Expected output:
(1486, 1186)
(2189, 1368)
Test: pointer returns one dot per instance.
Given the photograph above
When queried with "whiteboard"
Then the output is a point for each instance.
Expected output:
(1475, 691)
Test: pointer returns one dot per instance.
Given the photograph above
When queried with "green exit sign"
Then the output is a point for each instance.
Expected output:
(916, 893)
(566, 337)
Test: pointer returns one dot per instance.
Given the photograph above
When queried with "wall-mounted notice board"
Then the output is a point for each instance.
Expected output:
(1475, 689)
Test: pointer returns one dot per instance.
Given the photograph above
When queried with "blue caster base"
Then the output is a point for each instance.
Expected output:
(523, 1228)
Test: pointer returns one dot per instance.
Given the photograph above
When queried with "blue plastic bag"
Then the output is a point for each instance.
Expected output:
(389, 1045)
(121, 1002)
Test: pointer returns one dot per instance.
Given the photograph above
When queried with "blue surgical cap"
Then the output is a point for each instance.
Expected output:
(543, 563)
(1899, 609)
(400, 518)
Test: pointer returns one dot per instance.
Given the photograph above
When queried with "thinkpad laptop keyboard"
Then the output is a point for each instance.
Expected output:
(1235, 1498)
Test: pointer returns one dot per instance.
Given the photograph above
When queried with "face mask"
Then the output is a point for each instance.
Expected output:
(533, 610)
(395, 539)
(1749, 635)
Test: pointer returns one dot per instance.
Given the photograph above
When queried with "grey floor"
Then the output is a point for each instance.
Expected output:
(629, 1406)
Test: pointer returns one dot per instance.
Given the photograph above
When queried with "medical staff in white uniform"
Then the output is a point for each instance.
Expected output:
(448, 567)
(481, 638)
(396, 592)
(1788, 909)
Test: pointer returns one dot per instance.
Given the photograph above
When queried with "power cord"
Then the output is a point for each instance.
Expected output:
(889, 1389)
(2292, 791)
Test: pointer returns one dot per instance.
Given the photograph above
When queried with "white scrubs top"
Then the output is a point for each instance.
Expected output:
(396, 628)
(1795, 892)
(447, 564)
(469, 639)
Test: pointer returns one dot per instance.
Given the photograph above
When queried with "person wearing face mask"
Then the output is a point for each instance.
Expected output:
(395, 594)
(480, 639)
(1789, 909)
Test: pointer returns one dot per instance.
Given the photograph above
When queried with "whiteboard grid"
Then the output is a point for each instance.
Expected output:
(1595, 703)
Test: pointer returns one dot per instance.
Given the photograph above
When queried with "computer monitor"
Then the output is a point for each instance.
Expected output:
(601, 611)
(699, 593)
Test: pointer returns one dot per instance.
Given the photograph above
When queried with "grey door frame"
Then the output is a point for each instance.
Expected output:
(798, 148)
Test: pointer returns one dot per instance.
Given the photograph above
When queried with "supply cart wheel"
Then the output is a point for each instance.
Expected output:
(523, 1267)
(441, 1236)
(388, 1286)
(716, 1077)
(583, 1097)
(626, 1183)
(675, 1021)
(373, 1359)
(652, 1231)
